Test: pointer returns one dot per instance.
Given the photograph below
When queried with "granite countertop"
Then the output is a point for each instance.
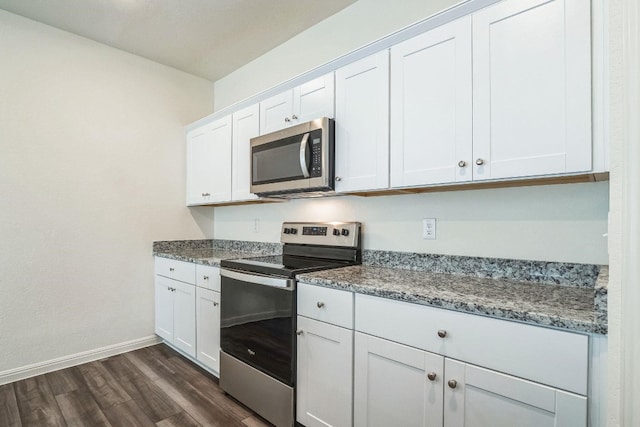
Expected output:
(203, 256)
(565, 307)
(211, 252)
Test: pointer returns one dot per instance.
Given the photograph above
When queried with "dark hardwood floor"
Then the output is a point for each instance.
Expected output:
(153, 386)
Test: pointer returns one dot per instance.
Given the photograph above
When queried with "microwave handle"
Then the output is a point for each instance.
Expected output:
(303, 155)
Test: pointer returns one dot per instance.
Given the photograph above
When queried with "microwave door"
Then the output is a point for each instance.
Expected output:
(281, 161)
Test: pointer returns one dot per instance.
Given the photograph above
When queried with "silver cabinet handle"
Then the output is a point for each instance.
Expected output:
(251, 352)
(205, 277)
(205, 194)
(479, 162)
(431, 376)
(452, 383)
(462, 163)
(442, 333)
(215, 303)
(171, 269)
(294, 117)
(299, 332)
(320, 304)
(287, 119)
(338, 179)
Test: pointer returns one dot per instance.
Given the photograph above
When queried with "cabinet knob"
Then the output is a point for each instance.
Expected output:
(320, 304)
(299, 332)
(338, 178)
(205, 277)
(171, 269)
(462, 163)
(215, 303)
(452, 383)
(431, 376)
(287, 119)
(205, 194)
(251, 352)
(294, 117)
(442, 333)
(479, 162)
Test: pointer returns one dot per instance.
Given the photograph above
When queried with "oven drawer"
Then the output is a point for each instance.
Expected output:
(177, 270)
(208, 277)
(325, 304)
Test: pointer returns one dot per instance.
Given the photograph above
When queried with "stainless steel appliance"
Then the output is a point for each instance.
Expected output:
(258, 314)
(295, 161)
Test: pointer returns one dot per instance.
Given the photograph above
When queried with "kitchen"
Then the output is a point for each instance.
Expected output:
(80, 217)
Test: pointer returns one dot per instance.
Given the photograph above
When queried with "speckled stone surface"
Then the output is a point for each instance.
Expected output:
(565, 307)
(211, 252)
(553, 273)
(600, 300)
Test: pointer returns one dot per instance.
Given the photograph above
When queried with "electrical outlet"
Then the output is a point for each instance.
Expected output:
(429, 229)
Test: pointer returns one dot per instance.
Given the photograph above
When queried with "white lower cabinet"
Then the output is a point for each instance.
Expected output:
(324, 377)
(396, 385)
(176, 313)
(208, 328)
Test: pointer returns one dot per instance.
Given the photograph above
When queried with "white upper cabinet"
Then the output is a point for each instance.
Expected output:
(362, 124)
(246, 125)
(209, 163)
(308, 101)
(531, 88)
(431, 117)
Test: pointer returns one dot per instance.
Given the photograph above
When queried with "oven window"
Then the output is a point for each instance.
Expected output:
(257, 326)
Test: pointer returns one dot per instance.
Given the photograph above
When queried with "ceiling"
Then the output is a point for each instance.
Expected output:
(207, 38)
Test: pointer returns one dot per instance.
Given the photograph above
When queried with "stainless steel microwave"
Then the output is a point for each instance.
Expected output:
(295, 161)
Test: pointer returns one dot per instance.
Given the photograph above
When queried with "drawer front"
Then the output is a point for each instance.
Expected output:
(325, 304)
(177, 270)
(208, 277)
(548, 356)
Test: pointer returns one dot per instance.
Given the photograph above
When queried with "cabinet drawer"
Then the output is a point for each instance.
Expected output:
(208, 277)
(548, 356)
(177, 270)
(327, 305)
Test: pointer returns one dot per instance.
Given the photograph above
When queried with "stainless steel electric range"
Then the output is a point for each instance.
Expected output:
(258, 314)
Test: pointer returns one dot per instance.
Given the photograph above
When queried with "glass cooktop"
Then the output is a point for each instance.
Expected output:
(278, 265)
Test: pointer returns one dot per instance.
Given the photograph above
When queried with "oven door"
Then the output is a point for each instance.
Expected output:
(296, 159)
(257, 322)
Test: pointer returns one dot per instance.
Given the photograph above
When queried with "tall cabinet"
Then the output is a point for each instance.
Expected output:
(532, 88)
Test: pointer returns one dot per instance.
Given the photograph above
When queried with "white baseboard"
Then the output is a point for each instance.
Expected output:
(40, 368)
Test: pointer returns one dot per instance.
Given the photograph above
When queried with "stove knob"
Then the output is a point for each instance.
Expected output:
(345, 232)
(336, 232)
(287, 231)
(294, 231)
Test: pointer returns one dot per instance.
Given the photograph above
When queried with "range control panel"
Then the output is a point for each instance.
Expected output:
(327, 233)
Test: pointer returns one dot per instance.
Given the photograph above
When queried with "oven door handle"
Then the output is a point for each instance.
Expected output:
(276, 282)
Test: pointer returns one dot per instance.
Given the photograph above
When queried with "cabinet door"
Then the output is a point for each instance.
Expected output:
(246, 125)
(184, 317)
(275, 112)
(208, 328)
(482, 398)
(362, 124)
(164, 307)
(209, 163)
(431, 117)
(314, 99)
(324, 374)
(393, 385)
(532, 88)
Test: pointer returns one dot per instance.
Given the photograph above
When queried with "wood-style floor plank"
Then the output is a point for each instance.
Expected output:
(36, 403)
(80, 409)
(9, 414)
(153, 386)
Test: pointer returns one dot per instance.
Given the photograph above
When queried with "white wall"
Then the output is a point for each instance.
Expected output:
(552, 223)
(548, 223)
(91, 172)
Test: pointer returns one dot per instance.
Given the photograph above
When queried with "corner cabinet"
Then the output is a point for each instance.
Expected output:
(362, 124)
(209, 163)
(532, 88)
(303, 103)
